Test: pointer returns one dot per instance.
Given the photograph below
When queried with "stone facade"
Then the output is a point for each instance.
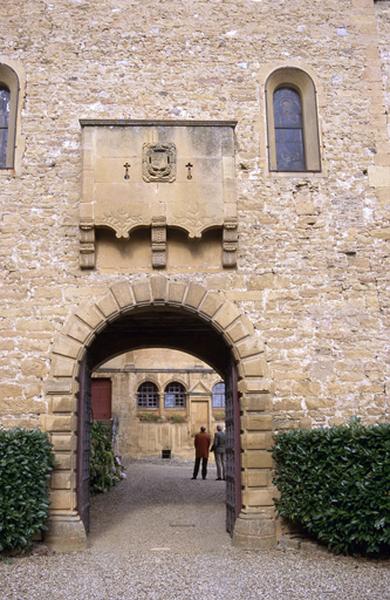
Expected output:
(305, 311)
(174, 427)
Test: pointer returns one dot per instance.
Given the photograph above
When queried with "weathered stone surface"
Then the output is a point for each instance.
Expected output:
(312, 276)
(62, 500)
(63, 441)
(258, 497)
(65, 534)
(256, 459)
(123, 294)
(62, 480)
(254, 532)
(256, 477)
(257, 440)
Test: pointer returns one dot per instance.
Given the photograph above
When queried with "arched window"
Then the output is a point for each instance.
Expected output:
(218, 395)
(292, 123)
(5, 97)
(175, 395)
(147, 395)
(9, 90)
(290, 152)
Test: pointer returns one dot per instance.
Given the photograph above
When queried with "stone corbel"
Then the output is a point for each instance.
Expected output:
(159, 242)
(87, 245)
(229, 243)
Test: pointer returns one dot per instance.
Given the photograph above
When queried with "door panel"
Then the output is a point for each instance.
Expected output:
(101, 399)
(233, 451)
(83, 443)
(199, 415)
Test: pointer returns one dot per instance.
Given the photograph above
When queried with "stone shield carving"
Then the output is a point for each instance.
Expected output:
(159, 163)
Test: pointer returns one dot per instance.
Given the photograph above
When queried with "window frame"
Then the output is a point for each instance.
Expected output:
(214, 394)
(156, 392)
(298, 80)
(10, 79)
(176, 406)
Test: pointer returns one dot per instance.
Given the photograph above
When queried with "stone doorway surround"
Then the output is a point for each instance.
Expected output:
(255, 526)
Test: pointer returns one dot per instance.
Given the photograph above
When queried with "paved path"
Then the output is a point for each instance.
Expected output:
(160, 507)
(160, 536)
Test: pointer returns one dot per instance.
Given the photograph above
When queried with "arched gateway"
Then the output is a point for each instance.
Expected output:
(160, 311)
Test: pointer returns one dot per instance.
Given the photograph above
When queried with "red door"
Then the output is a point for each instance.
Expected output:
(101, 399)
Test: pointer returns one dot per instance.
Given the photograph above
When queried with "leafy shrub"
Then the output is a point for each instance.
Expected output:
(149, 417)
(26, 460)
(105, 469)
(176, 419)
(335, 483)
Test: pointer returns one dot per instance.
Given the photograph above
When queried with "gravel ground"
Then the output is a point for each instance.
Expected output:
(160, 536)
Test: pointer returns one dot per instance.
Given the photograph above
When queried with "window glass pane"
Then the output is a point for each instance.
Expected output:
(289, 150)
(290, 155)
(3, 147)
(287, 108)
(147, 395)
(4, 106)
(4, 118)
(169, 400)
(175, 395)
(218, 395)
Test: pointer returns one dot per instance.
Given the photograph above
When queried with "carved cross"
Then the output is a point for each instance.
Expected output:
(127, 165)
(189, 167)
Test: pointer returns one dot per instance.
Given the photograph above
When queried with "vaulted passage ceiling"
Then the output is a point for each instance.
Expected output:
(164, 327)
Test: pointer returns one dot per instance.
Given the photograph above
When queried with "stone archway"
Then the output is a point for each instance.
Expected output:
(255, 525)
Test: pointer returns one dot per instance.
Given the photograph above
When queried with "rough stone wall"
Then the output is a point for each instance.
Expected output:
(311, 273)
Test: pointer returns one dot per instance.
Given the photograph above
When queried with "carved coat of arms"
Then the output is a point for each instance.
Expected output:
(159, 162)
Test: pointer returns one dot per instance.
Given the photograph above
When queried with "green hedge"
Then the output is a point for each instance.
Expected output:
(335, 484)
(26, 460)
(105, 469)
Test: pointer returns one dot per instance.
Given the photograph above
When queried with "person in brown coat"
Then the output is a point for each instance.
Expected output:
(202, 444)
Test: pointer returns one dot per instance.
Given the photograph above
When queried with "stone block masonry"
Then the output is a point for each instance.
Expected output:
(311, 281)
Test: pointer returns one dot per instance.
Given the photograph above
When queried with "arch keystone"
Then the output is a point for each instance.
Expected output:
(142, 293)
(159, 287)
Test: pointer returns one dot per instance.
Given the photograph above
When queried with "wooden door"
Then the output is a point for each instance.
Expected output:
(233, 451)
(83, 443)
(101, 399)
(199, 415)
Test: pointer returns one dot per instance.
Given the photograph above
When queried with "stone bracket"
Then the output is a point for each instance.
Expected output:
(229, 243)
(159, 242)
(87, 246)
